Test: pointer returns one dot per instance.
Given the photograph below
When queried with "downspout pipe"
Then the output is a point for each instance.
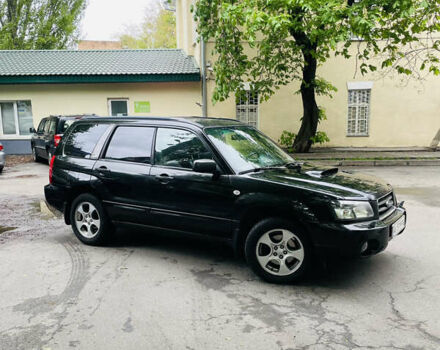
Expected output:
(203, 72)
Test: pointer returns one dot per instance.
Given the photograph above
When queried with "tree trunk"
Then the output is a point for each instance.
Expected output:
(310, 118)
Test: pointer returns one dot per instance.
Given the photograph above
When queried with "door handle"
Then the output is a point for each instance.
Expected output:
(164, 178)
(103, 170)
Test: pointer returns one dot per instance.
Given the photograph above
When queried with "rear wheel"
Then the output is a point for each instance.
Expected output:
(278, 251)
(89, 220)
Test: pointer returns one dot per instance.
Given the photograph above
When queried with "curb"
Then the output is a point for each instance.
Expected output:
(389, 162)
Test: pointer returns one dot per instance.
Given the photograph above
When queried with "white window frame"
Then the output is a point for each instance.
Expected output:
(357, 87)
(247, 107)
(109, 104)
(17, 126)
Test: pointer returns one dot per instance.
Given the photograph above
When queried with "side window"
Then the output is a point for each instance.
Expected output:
(179, 148)
(47, 126)
(131, 143)
(53, 126)
(82, 140)
(41, 125)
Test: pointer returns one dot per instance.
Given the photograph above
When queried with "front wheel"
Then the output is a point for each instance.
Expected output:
(278, 251)
(89, 220)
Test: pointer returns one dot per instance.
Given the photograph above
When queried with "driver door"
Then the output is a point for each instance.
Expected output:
(181, 198)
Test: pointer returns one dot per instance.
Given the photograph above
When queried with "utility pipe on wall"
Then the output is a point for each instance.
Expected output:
(203, 71)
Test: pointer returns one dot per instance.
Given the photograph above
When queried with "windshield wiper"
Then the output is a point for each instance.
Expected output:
(293, 165)
(254, 170)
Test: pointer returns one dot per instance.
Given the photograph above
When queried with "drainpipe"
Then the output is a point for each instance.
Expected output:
(203, 71)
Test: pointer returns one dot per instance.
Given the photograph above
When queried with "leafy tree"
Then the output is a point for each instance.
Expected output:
(39, 24)
(158, 31)
(291, 39)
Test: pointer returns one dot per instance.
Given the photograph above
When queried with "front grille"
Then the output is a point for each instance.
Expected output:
(386, 205)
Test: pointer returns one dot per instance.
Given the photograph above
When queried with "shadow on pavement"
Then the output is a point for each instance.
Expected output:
(326, 272)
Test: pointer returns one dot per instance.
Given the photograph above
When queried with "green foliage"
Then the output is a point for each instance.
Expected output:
(286, 140)
(158, 31)
(320, 137)
(39, 24)
(281, 32)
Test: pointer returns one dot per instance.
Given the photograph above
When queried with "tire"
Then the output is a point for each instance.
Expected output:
(1, 169)
(35, 157)
(278, 251)
(93, 226)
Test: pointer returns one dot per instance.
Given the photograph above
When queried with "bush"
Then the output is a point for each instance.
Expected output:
(287, 138)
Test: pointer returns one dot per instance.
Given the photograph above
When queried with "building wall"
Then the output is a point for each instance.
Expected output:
(166, 99)
(402, 113)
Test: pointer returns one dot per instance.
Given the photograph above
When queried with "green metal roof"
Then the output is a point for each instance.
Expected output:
(96, 66)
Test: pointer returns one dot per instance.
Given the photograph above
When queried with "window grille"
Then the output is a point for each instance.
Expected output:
(247, 108)
(358, 112)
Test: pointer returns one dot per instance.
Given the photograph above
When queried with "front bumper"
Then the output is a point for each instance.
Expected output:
(357, 239)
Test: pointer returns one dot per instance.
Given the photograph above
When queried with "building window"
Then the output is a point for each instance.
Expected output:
(247, 108)
(118, 107)
(16, 118)
(358, 112)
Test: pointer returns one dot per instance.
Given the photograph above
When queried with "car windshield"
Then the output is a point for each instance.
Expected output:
(246, 149)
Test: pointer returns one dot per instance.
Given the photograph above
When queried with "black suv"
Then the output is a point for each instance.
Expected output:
(48, 135)
(219, 178)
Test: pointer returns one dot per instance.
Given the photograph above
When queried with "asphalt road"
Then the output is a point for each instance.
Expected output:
(147, 291)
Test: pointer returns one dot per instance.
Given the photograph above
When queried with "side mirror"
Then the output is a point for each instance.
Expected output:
(207, 166)
(32, 130)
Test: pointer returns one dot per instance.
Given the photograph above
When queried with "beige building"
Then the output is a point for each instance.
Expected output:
(36, 84)
(367, 111)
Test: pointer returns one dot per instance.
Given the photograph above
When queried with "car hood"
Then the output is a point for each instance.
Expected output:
(332, 181)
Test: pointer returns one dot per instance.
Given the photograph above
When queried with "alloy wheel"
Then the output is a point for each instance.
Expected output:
(87, 219)
(280, 252)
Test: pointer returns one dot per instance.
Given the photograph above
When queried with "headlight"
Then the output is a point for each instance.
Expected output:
(352, 210)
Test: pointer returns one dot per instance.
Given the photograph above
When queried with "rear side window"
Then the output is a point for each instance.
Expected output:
(47, 126)
(53, 126)
(41, 125)
(132, 144)
(82, 140)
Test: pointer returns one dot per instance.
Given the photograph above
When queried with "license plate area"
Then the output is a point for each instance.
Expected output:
(398, 227)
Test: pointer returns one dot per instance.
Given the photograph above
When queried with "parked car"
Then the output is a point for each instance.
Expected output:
(2, 157)
(48, 135)
(217, 178)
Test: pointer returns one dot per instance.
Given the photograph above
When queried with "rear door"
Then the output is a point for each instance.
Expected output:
(75, 160)
(49, 136)
(181, 198)
(124, 173)
(39, 139)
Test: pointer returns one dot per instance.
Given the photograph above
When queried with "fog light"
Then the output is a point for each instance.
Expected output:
(364, 247)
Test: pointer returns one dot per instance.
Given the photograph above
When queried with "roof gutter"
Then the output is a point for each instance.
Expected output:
(93, 79)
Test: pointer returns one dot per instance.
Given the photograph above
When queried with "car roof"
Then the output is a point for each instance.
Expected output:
(72, 116)
(200, 122)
